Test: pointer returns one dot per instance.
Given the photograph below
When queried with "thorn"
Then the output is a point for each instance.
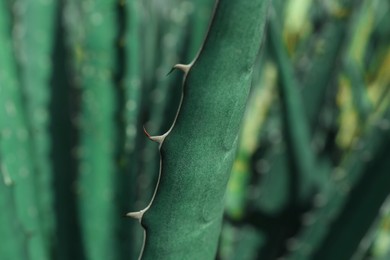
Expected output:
(136, 215)
(183, 67)
(158, 138)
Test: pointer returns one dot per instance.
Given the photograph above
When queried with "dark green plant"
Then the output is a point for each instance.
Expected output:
(185, 213)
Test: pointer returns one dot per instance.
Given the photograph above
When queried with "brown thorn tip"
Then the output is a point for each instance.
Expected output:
(146, 132)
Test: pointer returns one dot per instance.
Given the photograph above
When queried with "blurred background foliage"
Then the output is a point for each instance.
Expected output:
(79, 79)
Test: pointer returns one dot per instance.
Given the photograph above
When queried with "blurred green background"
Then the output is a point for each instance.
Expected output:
(80, 78)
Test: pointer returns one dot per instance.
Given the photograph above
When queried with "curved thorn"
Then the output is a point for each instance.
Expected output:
(136, 215)
(183, 67)
(157, 138)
